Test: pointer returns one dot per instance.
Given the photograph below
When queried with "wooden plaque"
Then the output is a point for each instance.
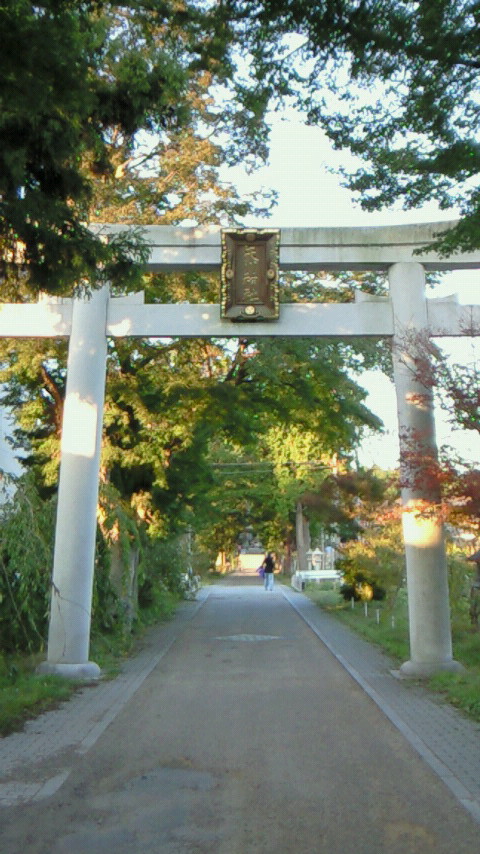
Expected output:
(249, 282)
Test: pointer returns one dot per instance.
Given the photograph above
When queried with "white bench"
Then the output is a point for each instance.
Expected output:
(299, 579)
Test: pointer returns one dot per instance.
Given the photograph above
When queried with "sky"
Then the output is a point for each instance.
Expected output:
(299, 169)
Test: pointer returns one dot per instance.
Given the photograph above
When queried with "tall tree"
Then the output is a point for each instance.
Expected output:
(396, 82)
(168, 401)
(76, 77)
(456, 389)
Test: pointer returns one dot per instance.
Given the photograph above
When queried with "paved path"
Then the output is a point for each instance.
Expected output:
(236, 731)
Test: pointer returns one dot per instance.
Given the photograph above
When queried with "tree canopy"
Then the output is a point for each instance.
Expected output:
(76, 77)
(84, 85)
(116, 114)
(176, 409)
(394, 81)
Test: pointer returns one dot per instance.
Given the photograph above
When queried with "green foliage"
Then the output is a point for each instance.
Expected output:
(460, 577)
(322, 596)
(396, 83)
(373, 563)
(160, 570)
(461, 689)
(456, 386)
(169, 403)
(26, 560)
(26, 557)
(138, 577)
(390, 631)
(259, 485)
(106, 612)
(24, 695)
(456, 390)
(80, 81)
(33, 377)
(359, 585)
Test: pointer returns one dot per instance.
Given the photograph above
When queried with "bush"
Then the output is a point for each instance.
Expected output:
(362, 589)
(105, 602)
(118, 547)
(373, 566)
(460, 577)
(27, 524)
(161, 568)
(325, 598)
(26, 558)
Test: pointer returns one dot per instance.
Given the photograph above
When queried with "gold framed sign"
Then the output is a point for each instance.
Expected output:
(249, 279)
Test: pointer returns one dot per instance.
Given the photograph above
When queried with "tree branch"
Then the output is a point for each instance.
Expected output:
(54, 391)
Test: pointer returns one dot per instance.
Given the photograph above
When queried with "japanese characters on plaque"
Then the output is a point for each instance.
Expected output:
(249, 280)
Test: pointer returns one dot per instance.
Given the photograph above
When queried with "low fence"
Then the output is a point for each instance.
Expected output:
(299, 579)
(320, 567)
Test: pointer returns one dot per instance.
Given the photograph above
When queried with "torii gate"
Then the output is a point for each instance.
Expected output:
(404, 313)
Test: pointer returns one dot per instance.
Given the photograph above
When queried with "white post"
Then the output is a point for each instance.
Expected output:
(427, 579)
(69, 631)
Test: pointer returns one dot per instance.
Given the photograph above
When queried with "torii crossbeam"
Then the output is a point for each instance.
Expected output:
(405, 312)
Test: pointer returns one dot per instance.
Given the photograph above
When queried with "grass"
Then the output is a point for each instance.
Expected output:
(25, 694)
(460, 689)
(109, 648)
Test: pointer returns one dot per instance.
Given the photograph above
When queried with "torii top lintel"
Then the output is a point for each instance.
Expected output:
(176, 248)
(182, 249)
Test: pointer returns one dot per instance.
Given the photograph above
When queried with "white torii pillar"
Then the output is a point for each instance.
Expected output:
(73, 565)
(427, 578)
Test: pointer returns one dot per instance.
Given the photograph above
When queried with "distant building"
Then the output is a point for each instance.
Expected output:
(250, 560)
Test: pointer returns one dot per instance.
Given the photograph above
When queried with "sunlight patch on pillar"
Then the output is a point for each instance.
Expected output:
(80, 419)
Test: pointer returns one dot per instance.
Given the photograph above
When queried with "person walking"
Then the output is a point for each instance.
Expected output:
(269, 570)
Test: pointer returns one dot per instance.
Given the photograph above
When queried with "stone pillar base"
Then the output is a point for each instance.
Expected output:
(84, 672)
(424, 669)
